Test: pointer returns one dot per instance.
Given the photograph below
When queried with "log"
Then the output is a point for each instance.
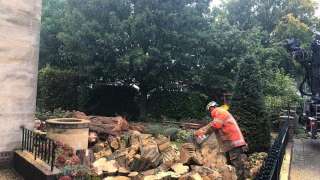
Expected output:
(137, 127)
(180, 169)
(163, 143)
(170, 156)
(133, 174)
(123, 171)
(114, 142)
(191, 176)
(136, 163)
(104, 166)
(117, 178)
(207, 173)
(163, 175)
(210, 149)
(111, 168)
(150, 153)
(101, 150)
(228, 172)
(108, 125)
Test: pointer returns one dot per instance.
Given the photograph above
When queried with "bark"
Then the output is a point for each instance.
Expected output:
(142, 103)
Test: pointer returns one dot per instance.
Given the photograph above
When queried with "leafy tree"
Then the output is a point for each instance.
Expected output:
(50, 46)
(291, 27)
(249, 13)
(248, 106)
(152, 44)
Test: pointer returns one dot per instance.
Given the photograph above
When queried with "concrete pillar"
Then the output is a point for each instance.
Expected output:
(19, 54)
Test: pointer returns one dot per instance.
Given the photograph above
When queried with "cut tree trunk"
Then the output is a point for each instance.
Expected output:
(189, 155)
(180, 169)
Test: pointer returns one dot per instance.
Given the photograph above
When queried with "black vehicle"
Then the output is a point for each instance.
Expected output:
(310, 85)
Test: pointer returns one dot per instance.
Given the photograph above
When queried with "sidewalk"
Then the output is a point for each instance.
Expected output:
(305, 160)
(9, 174)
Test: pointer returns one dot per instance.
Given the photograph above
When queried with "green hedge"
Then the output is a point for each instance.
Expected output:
(177, 105)
(57, 89)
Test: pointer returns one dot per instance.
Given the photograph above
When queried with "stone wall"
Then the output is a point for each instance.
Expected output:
(19, 53)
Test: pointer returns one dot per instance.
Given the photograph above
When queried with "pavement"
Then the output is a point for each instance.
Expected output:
(305, 162)
(9, 174)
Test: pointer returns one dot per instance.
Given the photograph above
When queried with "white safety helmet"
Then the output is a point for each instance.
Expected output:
(211, 104)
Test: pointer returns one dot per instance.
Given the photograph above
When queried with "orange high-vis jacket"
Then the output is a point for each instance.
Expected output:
(227, 130)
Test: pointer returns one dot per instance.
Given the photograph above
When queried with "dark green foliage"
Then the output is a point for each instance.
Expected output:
(56, 113)
(110, 100)
(163, 47)
(174, 104)
(57, 89)
(248, 106)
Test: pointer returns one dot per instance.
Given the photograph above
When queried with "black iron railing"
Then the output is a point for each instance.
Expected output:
(39, 145)
(272, 166)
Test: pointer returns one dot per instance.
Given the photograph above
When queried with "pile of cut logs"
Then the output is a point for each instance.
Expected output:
(124, 152)
(142, 156)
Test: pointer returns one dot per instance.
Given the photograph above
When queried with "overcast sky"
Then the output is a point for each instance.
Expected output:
(218, 2)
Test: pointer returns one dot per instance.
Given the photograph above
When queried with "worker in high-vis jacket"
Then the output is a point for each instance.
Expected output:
(229, 137)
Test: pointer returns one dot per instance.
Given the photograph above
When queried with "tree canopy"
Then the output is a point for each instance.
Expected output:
(173, 45)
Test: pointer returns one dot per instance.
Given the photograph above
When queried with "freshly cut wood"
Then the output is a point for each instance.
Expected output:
(121, 157)
(117, 178)
(189, 155)
(163, 143)
(133, 174)
(123, 171)
(163, 175)
(187, 151)
(228, 172)
(137, 127)
(108, 125)
(214, 156)
(150, 172)
(79, 115)
(191, 176)
(150, 153)
(111, 167)
(114, 142)
(170, 156)
(180, 169)
(207, 173)
(135, 139)
(104, 166)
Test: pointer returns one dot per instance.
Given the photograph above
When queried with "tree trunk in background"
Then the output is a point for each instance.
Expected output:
(142, 102)
(19, 54)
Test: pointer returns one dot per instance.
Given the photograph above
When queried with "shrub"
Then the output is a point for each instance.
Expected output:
(57, 89)
(248, 106)
(177, 105)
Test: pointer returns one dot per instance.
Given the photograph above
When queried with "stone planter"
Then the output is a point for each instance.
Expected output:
(71, 131)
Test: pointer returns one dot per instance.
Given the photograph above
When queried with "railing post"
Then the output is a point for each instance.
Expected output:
(22, 143)
(49, 149)
(53, 155)
(45, 150)
(35, 138)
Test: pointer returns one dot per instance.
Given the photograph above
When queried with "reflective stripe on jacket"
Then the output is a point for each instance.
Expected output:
(227, 130)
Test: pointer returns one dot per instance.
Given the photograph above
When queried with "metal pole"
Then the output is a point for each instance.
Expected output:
(22, 143)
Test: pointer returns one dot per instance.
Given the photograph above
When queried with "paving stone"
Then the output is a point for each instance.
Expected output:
(9, 174)
(305, 163)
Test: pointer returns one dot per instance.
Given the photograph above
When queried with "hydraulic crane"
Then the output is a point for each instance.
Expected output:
(310, 86)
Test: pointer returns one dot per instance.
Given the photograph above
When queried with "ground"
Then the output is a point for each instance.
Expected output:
(305, 160)
(9, 174)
